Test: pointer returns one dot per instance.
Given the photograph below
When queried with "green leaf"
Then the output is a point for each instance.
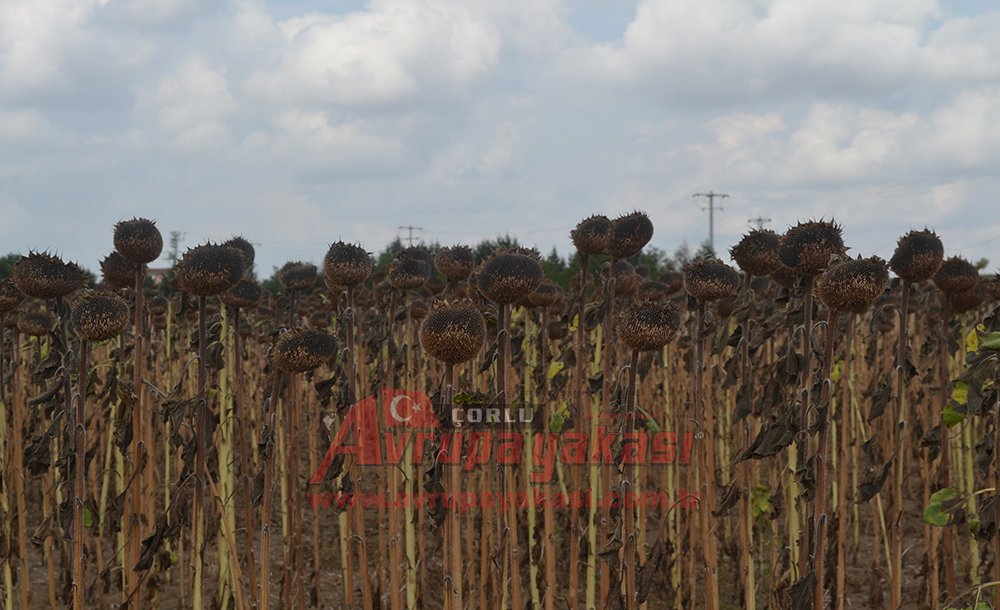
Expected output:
(554, 368)
(88, 516)
(991, 341)
(972, 340)
(934, 512)
(760, 501)
(960, 394)
(950, 416)
(836, 373)
(558, 419)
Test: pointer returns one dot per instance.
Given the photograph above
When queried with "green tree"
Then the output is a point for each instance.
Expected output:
(7, 264)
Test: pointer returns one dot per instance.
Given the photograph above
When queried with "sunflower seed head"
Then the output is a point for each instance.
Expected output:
(297, 275)
(757, 252)
(346, 265)
(10, 296)
(956, 275)
(453, 332)
(629, 235)
(591, 235)
(209, 269)
(853, 285)
(303, 349)
(117, 271)
(806, 248)
(44, 276)
(510, 274)
(138, 240)
(649, 325)
(98, 316)
(708, 279)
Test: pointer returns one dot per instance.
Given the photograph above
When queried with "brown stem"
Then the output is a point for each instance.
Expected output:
(578, 381)
(267, 442)
(367, 597)
(844, 442)
(629, 558)
(135, 533)
(706, 417)
(945, 385)
(802, 444)
(902, 376)
(79, 485)
(819, 505)
(607, 354)
(243, 431)
(453, 581)
(201, 424)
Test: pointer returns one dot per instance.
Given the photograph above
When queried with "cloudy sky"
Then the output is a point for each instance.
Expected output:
(299, 122)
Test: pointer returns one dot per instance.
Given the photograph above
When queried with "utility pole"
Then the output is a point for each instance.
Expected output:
(711, 213)
(410, 229)
(759, 222)
(175, 242)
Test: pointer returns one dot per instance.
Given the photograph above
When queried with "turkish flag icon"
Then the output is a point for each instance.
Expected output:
(408, 409)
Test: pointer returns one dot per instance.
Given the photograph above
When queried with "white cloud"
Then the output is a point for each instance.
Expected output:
(393, 52)
(191, 105)
(725, 51)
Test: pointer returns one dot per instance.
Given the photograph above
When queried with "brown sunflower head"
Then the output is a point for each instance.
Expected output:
(10, 296)
(591, 235)
(807, 247)
(419, 309)
(138, 240)
(956, 275)
(303, 349)
(98, 316)
(245, 248)
(629, 235)
(44, 276)
(757, 252)
(708, 279)
(209, 269)
(157, 306)
(408, 272)
(626, 279)
(918, 256)
(246, 293)
(972, 298)
(853, 286)
(455, 263)
(783, 275)
(453, 333)
(673, 280)
(648, 325)
(651, 290)
(296, 276)
(35, 323)
(346, 265)
(117, 271)
(547, 294)
(509, 275)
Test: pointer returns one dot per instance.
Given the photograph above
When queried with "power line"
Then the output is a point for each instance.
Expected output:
(410, 229)
(176, 237)
(711, 213)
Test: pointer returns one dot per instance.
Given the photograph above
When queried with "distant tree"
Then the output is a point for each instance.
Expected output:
(389, 252)
(682, 255)
(7, 264)
(485, 247)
